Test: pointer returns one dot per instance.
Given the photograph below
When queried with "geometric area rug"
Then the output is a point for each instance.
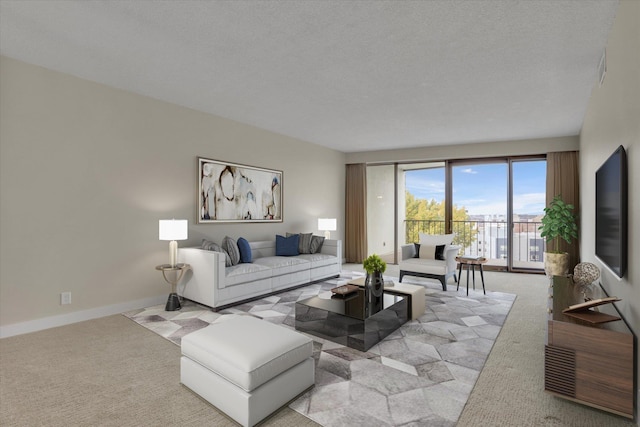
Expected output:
(420, 375)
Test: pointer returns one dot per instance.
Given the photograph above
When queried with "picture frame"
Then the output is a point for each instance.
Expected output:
(232, 192)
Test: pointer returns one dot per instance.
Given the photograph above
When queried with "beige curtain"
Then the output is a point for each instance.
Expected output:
(563, 179)
(355, 245)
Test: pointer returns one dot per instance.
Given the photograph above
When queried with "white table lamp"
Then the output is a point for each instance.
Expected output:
(172, 230)
(328, 225)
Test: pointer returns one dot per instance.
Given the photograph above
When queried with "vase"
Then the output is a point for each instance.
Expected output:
(556, 264)
(374, 283)
(373, 288)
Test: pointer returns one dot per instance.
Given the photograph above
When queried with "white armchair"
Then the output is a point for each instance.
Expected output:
(427, 265)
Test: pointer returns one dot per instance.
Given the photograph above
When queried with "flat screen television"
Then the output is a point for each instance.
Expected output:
(611, 212)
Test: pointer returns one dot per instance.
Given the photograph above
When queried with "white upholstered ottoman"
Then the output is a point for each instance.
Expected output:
(247, 367)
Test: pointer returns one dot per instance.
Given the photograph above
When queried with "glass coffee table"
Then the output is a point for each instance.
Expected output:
(351, 320)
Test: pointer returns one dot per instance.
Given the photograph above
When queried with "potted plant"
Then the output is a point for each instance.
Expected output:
(374, 284)
(558, 222)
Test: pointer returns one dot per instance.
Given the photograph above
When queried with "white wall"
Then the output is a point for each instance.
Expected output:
(87, 171)
(380, 211)
(613, 119)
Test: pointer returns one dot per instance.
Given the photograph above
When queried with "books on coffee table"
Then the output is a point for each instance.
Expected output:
(345, 290)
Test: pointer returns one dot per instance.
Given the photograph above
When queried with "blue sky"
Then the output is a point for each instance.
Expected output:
(482, 189)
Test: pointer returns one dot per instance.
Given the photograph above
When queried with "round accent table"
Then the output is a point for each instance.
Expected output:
(471, 263)
(172, 275)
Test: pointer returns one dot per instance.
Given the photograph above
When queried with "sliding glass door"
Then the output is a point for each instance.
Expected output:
(494, 206)
(479, 205)
(424, 200)
(528, 202)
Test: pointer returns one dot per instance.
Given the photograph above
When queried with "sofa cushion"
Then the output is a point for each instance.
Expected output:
(316, 244)
(440, 252)
(245, 250)
(242, 273)
(262, 248)
(231, 247)
(319, 260)
(287, 246)
(283, 265)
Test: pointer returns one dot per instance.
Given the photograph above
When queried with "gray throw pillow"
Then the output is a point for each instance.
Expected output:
(304, 244)
(316, 244)
(208, 245)
(231, 247)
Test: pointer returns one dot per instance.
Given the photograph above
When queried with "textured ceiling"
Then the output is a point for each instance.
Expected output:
(350, 75)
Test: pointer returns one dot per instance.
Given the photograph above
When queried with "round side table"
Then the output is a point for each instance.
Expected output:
(175, 274)
(471, 263)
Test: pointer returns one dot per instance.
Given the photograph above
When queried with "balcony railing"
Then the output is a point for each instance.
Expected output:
(488, 239)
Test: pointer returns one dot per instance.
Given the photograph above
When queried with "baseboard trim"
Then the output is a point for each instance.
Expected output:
(77, 316)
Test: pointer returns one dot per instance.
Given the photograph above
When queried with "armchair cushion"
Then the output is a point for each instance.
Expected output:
(436, 239)
(430, 251)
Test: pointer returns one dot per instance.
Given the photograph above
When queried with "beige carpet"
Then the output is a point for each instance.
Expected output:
(112, 372)
(510, 389)
(103, 372)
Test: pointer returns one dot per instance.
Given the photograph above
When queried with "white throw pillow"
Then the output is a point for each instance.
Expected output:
(427, 251)
(436, 239)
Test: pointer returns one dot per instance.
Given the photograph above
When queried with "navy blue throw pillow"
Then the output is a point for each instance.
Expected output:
(245, 251)
(287, 246)
(440, 252)
(417, 246)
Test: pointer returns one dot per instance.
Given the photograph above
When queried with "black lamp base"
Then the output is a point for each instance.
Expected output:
(173, 303)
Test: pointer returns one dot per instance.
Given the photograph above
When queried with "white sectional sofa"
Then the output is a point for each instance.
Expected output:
(212, 284)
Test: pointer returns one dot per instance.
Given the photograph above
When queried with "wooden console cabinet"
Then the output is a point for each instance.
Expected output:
(586, 363)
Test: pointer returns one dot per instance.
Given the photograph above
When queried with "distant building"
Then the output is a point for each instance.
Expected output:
(492, 239)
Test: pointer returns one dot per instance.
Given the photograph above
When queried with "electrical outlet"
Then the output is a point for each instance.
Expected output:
(65, 298)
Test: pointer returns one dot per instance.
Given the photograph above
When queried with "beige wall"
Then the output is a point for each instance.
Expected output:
(468, 151)
(87, 171)
(613, 119)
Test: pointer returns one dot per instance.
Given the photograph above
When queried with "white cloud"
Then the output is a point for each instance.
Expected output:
(425, 188)
(469, 170)
(529, 203)
(482, 207)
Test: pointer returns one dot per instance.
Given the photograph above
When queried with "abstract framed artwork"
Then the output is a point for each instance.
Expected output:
(229, 192)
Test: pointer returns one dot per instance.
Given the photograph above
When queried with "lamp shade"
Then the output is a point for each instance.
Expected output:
(327, 224)
(173, 229)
